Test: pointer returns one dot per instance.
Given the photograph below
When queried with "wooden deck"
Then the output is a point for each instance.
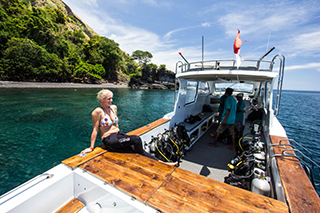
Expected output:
(168, 188)
(300, 194)
(171, 189)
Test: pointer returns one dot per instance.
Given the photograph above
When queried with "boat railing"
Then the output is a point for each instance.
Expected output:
(225, 64)
(305, 160)
(307, 168)
(178, 64)
(295, 142)
(280, 82)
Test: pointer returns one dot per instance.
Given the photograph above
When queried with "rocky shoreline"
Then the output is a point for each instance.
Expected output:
(40, 85)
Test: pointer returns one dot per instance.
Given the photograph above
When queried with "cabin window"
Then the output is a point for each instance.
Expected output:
(238, 87)
(191, 91)
(203, 87)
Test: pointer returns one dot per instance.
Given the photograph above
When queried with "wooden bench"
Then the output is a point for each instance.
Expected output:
(74, 205)
(148, 127)
(299, 192)
(75, 161)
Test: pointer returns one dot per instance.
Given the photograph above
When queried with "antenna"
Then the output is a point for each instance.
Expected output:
(267, 53)
(202, 50)
(268, 40)
(183, 58)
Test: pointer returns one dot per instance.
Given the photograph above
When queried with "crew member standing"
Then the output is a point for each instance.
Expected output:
(228, 119)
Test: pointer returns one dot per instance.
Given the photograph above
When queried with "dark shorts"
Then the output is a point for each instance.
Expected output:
(122, 142)
(224, 127)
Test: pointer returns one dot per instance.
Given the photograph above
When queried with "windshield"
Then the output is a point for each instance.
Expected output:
(238, 87)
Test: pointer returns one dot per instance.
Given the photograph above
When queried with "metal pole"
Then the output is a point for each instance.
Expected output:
(202, 50)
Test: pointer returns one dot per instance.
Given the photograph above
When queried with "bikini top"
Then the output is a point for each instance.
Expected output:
(108, 121)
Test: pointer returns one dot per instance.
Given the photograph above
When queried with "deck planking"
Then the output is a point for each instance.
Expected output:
(171, 189)
(300, 194)
(132, 173)
(75, 161)
(188, 192)
(73, 206)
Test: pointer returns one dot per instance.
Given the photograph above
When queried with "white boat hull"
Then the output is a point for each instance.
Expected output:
(43, 194)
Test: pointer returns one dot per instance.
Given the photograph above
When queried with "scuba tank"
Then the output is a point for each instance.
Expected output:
(259, 156)
(260, 185)
(257, 172)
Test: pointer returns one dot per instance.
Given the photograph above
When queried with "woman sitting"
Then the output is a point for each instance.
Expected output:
(105, 120)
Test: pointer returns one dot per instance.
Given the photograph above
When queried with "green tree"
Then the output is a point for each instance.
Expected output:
(162, 66)
(143, 57)
(23, 59)
(89, 71)
(100, 50)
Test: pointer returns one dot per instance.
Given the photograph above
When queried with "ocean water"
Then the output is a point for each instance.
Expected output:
(299, 115)
(41, 127)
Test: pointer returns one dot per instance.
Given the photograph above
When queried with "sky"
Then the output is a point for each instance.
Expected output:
(166, 27)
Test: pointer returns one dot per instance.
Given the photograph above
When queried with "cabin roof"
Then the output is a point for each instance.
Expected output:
(229, 75)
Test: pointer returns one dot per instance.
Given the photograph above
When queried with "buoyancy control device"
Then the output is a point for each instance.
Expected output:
(247, 169)
(169, 145)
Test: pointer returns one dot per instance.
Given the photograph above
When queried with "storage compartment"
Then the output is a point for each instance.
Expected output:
(204, 127)
(196, 130)
(194, 135)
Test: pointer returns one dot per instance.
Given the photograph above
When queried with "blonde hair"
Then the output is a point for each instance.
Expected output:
(103, 93)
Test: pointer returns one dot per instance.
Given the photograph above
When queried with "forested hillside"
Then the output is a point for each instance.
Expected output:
(45, 41)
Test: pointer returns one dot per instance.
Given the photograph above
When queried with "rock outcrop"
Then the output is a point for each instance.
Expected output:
(152, 78)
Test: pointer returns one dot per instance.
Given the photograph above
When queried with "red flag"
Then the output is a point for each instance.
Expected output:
(237, 43)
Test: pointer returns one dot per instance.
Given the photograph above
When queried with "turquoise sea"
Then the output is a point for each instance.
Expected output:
(41, 127)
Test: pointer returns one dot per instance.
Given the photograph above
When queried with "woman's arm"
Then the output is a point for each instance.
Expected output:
(96, 123)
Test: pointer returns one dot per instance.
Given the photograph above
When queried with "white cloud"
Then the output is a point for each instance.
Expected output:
(304, 66)
(249, 21)
(206, 24)
(131, 38)
(168, 35)
(150, 2)
(91, 2)
(306, 44)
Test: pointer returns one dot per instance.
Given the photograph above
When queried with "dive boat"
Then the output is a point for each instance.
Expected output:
(206, 179)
